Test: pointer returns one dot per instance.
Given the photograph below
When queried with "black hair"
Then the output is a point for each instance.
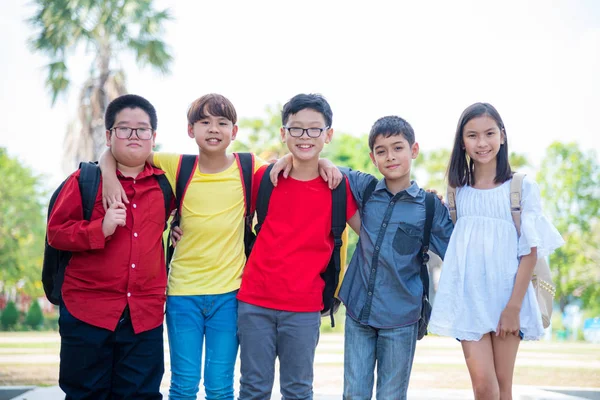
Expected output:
(129, 101)
(391, 126)
(460, 167)
(311, 101)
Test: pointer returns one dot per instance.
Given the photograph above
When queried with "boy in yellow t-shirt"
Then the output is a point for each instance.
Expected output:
(207, 264)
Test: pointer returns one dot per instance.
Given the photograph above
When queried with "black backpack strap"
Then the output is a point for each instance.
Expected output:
(165, 187)
(367, 193)
(338, 224)
(246, 166)
(185, 171)
(89, 181)
(429, 212)
(262, 201)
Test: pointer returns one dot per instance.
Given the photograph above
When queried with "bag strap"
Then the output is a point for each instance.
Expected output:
(451, 193)
(367, 193)
(516, 185)
(89, 182)
(165, 187)
(429, 212)
(338, 224)
(185, 171)
(245, 162)
(264, 195)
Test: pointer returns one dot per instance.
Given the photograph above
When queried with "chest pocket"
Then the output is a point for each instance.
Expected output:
(155, 207)
(407, 239)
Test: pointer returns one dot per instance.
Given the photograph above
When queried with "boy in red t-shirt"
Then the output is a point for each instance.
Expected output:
(113, 295)
(280, 298)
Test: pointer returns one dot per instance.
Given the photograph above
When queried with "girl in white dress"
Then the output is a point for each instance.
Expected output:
(485, 298)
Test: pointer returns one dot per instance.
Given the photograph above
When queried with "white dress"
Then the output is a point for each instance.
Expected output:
(482, 259)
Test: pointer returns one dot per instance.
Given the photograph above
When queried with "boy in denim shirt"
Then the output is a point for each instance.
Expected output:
(382, 289)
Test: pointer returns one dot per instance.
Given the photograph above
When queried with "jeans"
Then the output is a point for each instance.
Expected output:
(99, 364)
(392, 349)
(266, 334)
(192, 320)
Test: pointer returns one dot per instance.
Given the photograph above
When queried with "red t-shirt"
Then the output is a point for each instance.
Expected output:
(293, 247)
(128, 267)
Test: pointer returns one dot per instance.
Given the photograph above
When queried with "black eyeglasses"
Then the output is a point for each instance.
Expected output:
(123, 132)
(311, 132)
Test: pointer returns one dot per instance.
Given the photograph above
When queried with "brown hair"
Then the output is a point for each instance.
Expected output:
(211, 104)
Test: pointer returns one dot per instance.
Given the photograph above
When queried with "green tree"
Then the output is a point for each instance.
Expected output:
(262, 135)
(35, 317)
(569, 180)
(104, 30)
(10, 316)
(22, 225)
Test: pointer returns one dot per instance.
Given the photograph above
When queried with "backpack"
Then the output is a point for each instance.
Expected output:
(542, 277)
(185, 171)
(424, 273)
(55, 261)
(333, 273)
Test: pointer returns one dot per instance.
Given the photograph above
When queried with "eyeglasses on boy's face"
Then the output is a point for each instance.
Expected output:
(123, 132)
(311, 132)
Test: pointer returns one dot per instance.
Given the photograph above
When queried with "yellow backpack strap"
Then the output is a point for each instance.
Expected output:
(515, 199)
(451, 193)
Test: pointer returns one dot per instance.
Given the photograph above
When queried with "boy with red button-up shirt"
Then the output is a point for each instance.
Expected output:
(111, 313)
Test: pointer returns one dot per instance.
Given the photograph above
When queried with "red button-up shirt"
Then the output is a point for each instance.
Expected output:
(127, 268)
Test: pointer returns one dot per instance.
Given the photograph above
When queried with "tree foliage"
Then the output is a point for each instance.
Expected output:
(35, 317)
(22, 225)
(10, 316)
(569, 180)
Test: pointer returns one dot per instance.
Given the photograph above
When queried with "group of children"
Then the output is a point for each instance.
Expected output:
(269, 304)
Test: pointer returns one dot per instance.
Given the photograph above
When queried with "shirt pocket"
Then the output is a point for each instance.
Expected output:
(407, 240)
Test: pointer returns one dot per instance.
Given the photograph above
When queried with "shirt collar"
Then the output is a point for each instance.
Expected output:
(413, 190)
(148, 170)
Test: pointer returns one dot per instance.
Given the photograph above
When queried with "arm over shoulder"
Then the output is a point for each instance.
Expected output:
(358, 182)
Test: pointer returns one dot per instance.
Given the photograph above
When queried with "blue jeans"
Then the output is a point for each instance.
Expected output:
(191, 320)
(392, 349)
(266, 334)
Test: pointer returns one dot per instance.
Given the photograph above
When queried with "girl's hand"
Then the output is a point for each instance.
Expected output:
(112, 192)
(176, 234)
(330, 173)
(509, 322)
(283, 164)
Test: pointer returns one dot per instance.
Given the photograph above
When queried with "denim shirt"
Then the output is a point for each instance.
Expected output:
(382, 287)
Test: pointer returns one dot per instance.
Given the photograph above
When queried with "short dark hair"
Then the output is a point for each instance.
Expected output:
(129, 101)
(460, 167)
(391, 126)
(311, 101)
(214, 104)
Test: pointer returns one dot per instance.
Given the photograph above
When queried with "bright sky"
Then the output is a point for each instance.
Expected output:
(538, 62)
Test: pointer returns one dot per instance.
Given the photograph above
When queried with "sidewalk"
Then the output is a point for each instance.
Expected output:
(519, 393)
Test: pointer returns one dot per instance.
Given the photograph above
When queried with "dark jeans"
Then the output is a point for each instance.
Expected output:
(97, 364)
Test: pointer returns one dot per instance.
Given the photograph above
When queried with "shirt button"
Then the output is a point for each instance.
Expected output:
(135, 234)
(134, 181)
(376, 247)
(135, 206)
(132, 265)
(391, 203)
(128, 294)
(373, 270)
(384, 224)
(370, 294)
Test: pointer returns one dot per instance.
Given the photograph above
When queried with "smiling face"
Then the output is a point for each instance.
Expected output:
(306, 148)
(393, 157)
(134, 151)
(482, 139)
(213, 134)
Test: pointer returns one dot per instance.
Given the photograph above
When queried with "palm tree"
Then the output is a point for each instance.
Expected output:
(107, 29)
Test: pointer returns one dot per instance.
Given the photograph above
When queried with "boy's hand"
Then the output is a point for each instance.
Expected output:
(439, 196)
(283, 164)
(176, 234)
(509, 322)
(112, 192)
(115, 216)
(330, 173)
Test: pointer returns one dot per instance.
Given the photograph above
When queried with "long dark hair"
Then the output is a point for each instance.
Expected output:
(460, 168)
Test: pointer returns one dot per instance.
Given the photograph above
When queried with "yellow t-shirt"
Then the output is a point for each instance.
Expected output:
(210, 257)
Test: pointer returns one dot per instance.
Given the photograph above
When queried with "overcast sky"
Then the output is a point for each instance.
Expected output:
(538, 62)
